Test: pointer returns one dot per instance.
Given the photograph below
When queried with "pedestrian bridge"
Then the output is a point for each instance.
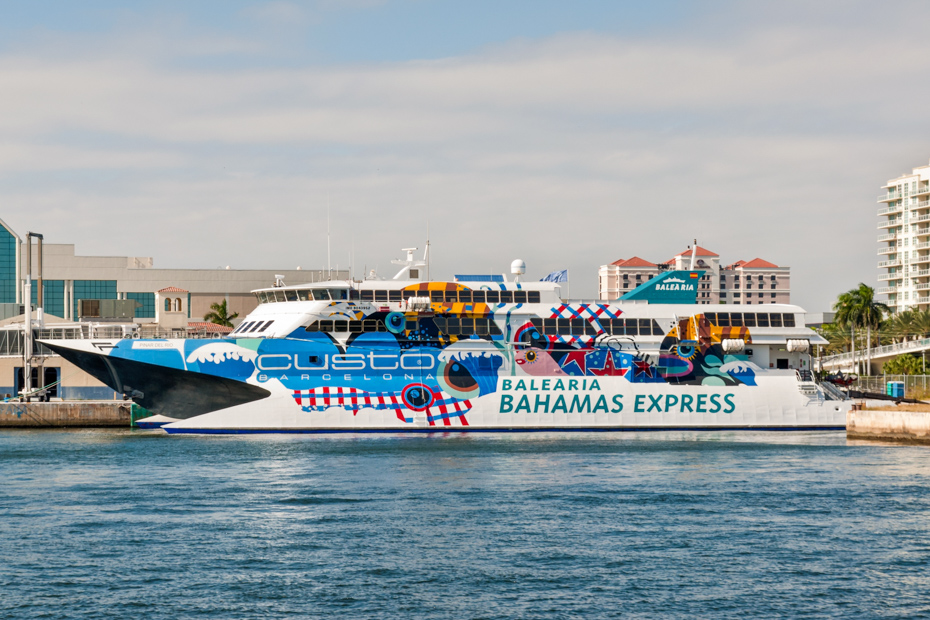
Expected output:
(879, 355)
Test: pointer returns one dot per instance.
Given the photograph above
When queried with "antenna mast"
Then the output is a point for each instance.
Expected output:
(329, 259)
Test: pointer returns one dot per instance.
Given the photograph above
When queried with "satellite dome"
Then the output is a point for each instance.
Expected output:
(518, 267)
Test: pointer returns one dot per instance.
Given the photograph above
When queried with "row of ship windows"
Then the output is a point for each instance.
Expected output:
(583, 327)
(750, 319)
(453, 326)
(466, 296)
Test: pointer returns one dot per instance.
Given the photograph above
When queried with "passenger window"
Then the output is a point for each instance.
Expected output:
(321, 294)
(711, 316)
(533, 297)
(436, 296)
(468, 326)
(494, 297)
(631, 327)
(762, 320)
(736, 319)
(290, 295)
(381, 295)
(507, 297)
(465, 296)
(353, 294)
(326, 326)
(304, 295)
(355, 327)
(367, 295)
(788, 320)
(550, 327)
(313, 327)
(452, 296)
(453, 326)
(478, 296)
(395, 295)
(339, 293)
(645, 327)
(775, 320)
(656, 330)
(493, 329)
(590, 329)
(749, 320)
(481, 327)
(519, 297)
(577, 326)
(371, 325)
(723, 319)
(565, 327)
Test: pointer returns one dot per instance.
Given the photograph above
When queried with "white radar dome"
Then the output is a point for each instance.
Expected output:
(518, 267)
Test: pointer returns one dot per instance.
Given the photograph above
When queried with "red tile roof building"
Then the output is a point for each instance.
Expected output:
(756, 281)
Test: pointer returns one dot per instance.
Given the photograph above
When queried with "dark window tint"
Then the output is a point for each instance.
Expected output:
(723, 319)
(775, 320)
(645, 327)
(453, 325)
(367, 295)
(507, 297)
(326, 326)
(436, 295)
(381, 295)
(465, 296)
(762, 320)
(788, 320)
(452, 296)
(395, 295)
(290, 295)
(340, 326)
(631, 327)
(353, 294)
(656, 330)
(749, 320)
(493, 297)
(532, 297)
(711, 316)
(550, 327)
(468, 326)
(577, 326)
(478, 296)
(519, 297)
(481, 327)
(736, 319)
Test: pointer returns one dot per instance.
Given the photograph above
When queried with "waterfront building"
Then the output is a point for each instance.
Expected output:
(69, 278)
(904, 240)
(113, 296)
(756, 281)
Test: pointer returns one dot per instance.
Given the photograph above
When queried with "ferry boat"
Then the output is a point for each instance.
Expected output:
(492, 354)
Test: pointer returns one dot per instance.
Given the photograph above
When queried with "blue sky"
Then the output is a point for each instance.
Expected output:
(567, 134)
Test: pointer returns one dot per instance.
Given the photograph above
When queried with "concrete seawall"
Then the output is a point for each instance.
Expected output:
(889, 425)
(65, 414)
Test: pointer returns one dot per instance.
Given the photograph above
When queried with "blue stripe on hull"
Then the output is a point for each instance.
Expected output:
(627, 429)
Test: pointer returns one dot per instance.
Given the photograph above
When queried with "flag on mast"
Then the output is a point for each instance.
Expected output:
(556, 276)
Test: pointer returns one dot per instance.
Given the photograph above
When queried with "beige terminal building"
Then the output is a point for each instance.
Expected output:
(904, 240)
(756, 281)
(81, 292)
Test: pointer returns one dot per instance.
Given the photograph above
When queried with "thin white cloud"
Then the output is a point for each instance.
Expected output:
(570, 151)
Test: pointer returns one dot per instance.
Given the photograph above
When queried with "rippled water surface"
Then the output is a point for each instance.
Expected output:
(107, 523)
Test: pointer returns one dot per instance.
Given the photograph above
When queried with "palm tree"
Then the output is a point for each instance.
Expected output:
(858, 308)
(219, 314)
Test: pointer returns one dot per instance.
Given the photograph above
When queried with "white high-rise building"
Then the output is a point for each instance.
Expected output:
(904, 232)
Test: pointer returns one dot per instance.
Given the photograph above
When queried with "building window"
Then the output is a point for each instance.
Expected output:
(167, 304)
(177, 304)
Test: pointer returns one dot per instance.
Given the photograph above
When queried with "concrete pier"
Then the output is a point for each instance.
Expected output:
(65, 414)
(889, 425)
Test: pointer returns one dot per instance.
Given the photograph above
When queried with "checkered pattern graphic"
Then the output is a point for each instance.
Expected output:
(444, 408)
(592, 313)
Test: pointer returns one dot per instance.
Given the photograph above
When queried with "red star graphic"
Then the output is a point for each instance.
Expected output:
(642, 366)
(609, 369)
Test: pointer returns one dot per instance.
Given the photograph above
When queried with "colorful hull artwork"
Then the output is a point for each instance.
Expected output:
(443, 364)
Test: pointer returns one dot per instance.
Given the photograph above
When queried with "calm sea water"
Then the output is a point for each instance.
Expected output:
(105, 524)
